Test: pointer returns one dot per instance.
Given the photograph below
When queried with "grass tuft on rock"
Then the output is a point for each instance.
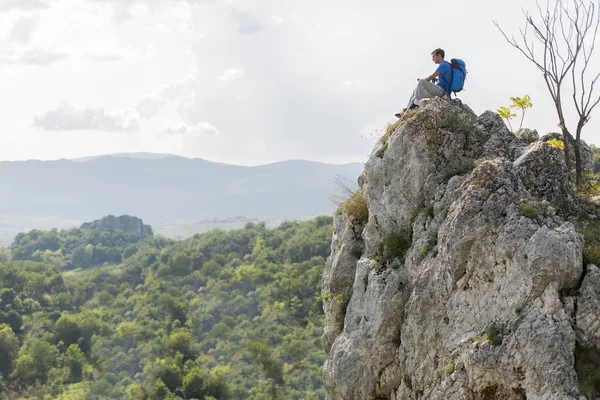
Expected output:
(396, 244)
(391, 127)
(350, 201)
(458, 166)
(590, 230)
(355, 207)
(529, 210)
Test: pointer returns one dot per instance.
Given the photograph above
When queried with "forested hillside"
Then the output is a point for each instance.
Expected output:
(223, 315)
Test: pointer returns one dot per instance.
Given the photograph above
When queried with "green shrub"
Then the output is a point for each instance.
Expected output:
(432, 240)
(590, 186)
(518, 309)
(587, 367)
(418, 210)
(357, 252)
(591, 245)
(384, 147)
(414, 213)
(529, 210)
(596, 151)
(395, 245)
(429, 210)
(458, 166)
(556, 143)
(493, 333)
(445, 212)
(396, 265)
(448, 368)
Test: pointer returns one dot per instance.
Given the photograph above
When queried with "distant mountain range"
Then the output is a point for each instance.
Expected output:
(163, 189)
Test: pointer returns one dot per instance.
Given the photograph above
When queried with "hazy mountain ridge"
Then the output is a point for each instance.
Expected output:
(164, 189)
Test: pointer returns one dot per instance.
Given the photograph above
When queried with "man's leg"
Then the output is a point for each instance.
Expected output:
(410, 104)
(424, 90)
(413, 97)
(427, 90)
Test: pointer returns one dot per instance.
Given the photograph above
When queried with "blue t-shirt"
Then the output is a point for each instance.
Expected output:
(445, 78)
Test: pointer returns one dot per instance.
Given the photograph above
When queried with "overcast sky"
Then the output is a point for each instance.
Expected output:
(244, 82)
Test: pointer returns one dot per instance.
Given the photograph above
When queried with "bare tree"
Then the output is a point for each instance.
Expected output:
(563, 32)
(583, 89)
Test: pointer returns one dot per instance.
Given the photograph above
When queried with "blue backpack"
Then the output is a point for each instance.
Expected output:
(459, 74)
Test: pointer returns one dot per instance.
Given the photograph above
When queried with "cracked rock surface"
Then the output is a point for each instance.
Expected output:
(488, 301)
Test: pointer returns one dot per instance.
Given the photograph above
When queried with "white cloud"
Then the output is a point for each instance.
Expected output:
(68, 117)
(276, 19)
(6, 5)
(102, 57)
(200, 129)
(247, 22)
(178, 94)
(33, 57)
(353, 83)
(149, 106)
(126, 9)
(231, 74)
(41, 57)
(23, 29)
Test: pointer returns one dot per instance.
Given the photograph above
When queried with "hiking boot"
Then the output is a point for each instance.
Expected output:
(398, 115)
(412, 107)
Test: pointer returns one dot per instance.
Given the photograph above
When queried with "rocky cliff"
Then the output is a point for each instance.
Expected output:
(123, 223)
(467, 280)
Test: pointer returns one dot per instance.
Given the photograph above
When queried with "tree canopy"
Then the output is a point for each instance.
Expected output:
(222, 315)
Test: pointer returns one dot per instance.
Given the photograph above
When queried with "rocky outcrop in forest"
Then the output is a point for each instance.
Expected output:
(125, 223)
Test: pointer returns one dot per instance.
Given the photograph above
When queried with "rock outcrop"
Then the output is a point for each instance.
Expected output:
(587, 155)
(123, 223)
(487, 299)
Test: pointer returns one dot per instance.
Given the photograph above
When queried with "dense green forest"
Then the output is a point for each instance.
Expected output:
(222, 315)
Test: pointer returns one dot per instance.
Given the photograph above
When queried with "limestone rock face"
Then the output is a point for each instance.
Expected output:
(587, 155)
(527, 135)
(480, 304)
(123, 223)
(588, 317)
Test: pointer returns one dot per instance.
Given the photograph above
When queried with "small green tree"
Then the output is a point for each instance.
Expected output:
(273, 369)
(180, 264)
(74, 360)
(180, 340)
(68, 329)
(9, 347)
(193, 384)
(506, 114)
(159, 390)
(168, 371)
(35, 360)
(521, 103)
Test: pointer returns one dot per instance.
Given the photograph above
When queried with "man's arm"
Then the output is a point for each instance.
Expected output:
(432, 76)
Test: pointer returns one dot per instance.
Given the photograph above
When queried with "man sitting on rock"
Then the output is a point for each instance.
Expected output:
(426, 89)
